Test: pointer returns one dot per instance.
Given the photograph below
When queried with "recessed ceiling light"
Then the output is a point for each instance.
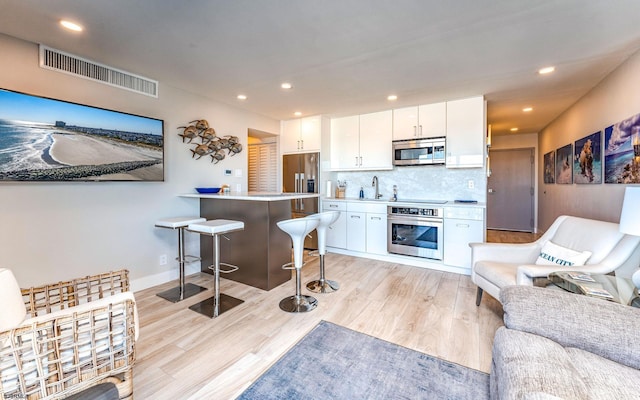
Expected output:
(546, 70)
(514, 129)
(71, 26)
(527, 109)
(392, 97)
(297, 113)
(286, 85)
(242, 97)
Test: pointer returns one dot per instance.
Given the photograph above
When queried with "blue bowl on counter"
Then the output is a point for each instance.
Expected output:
(207, 190)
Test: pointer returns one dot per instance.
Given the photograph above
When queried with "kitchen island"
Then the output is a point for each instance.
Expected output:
(261, 248)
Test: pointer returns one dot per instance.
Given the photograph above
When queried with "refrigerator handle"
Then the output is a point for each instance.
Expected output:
(302, 189)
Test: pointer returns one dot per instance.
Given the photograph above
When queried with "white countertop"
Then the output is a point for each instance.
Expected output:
(408, 202)
(252, 196)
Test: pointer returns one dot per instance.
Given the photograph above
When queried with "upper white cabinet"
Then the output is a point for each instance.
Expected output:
(362, 142)
(466, 122)
(345, 143)
(375, 140)
(429, 120)
(301, 135)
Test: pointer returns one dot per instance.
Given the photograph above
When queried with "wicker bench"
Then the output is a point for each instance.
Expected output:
(73, 335)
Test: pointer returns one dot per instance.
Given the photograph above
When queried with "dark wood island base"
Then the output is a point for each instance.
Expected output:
(261, 248)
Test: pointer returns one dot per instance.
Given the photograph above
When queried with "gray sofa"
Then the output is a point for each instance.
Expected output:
(561, 345)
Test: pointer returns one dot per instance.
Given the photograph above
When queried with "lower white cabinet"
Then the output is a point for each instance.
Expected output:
(376, 233)
(367, 227)
(462, 225)
(337, 232)
(362, 226)
(356, 231)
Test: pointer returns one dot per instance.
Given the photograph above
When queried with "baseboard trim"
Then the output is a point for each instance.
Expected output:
(148, 281)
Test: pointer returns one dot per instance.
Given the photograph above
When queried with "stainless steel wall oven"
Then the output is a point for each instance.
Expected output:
(415, 231)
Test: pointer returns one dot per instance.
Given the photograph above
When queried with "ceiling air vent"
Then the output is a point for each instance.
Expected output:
(68, 63)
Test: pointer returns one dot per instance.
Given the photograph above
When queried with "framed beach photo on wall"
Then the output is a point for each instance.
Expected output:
(587, 159)
(550, 167)
(43, 139)
(622, 151)
(564, 163)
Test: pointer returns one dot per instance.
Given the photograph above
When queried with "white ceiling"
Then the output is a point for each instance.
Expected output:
(345, 56)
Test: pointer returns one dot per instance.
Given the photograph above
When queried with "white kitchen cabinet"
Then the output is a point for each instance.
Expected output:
(301, 135)
(462, 225)
(345, 138)
(370, 227)
(425, 121)
(337, 232)
(356, 231)
(376, 233)
(375, 140)
(466, 123)
(362, 142)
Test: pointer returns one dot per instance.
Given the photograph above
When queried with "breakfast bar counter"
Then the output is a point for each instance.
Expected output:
(261, 248)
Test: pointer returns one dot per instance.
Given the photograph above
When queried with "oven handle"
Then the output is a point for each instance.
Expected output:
(410, 220)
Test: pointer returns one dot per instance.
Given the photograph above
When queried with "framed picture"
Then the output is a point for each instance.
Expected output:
(587, 159)
(43, 139)
(564, 163)
(550, 167)
(622, 151)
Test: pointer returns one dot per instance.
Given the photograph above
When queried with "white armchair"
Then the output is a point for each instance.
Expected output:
(496, 265)
(70, 336)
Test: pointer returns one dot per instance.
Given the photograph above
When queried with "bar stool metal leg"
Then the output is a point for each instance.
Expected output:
(220, 302)
(298, 302)
(183, 290)
(323, 285)
(297, 229)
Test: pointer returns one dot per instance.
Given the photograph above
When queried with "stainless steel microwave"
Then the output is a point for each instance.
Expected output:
(419, 151)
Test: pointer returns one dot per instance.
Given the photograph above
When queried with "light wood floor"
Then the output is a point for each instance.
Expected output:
(184, 355)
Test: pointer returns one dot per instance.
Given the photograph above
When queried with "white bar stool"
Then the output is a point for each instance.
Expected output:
(298, 229)
(323, 285)
(182, 291)
(220, 302)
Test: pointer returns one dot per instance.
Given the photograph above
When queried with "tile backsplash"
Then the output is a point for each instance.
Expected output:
(429, 182)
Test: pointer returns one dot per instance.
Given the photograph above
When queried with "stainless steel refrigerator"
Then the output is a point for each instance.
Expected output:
(300, 175)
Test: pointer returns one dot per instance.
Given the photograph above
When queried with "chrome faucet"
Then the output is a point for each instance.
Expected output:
(375, 184)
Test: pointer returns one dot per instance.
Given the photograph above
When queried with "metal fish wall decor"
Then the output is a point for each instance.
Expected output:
(210, 144)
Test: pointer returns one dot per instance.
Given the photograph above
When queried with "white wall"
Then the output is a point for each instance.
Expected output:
(521, 141)
(60, 230)
(616, 98)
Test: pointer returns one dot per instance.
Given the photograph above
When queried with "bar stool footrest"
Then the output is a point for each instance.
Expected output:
(290, 265)
(232, 268)
(188, 259)
(206, 307)
(173, 294)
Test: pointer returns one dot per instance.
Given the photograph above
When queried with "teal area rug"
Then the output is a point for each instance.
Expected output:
(332, 362)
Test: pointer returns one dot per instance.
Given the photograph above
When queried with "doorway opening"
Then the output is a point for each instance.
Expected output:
(263, 161)
(510, 197)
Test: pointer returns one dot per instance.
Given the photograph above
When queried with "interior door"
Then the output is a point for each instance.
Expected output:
(510, 190)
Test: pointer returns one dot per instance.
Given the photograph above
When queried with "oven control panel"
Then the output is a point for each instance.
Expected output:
(417, 211)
